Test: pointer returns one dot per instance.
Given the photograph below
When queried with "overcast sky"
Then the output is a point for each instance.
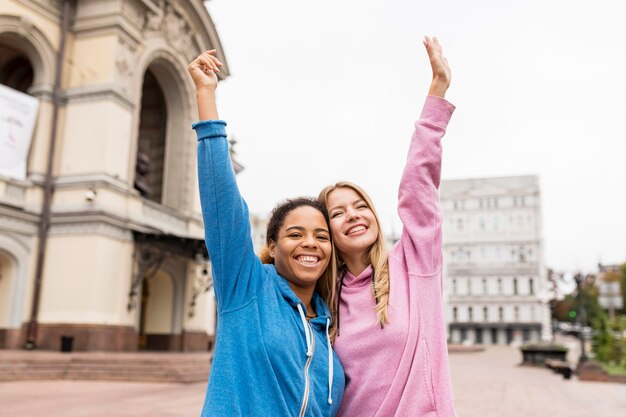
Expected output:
(326, 90)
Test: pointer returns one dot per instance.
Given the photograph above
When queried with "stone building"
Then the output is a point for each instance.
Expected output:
(106, 246)
(494, 273)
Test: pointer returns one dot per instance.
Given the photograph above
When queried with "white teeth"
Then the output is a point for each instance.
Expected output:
(309, 260)
(355, 229)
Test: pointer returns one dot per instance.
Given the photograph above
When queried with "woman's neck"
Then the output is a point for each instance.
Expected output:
(305, 294)
(356, 264)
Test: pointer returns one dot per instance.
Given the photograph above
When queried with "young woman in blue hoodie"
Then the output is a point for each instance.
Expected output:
(273, 354)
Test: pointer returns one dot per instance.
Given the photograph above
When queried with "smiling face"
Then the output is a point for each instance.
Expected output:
(352, 222)
(302, 249)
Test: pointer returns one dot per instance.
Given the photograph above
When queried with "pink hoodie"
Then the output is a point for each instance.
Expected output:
(402, 370)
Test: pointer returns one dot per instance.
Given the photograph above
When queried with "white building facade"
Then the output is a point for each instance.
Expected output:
(494, 272)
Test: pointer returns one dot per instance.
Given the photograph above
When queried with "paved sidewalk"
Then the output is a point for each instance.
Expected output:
(490, 384)
(486, 384)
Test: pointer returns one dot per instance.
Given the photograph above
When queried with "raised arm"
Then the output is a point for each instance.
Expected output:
(225, 213)
(418, 196)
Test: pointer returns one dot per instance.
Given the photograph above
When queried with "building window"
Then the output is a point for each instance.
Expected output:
(501, 314)
(516, 313)
(454, 286)
(531, 287)
(459, 224)
(469, 286)
(485, 286)
(17, 72)
(485, 314)
(455, 314)
(150, 164)
(470, 314)
(514, 286)
(499, 285)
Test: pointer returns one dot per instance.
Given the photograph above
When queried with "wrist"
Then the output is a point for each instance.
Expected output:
(208, 92)
(438, 87)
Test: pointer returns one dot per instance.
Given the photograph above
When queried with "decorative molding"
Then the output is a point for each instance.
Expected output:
(52, 4)
(42, 91)
(100, 92)
(11, 221)
(171, 23)
(101, 228)
(133, 12)
(156, 212)
(49, 8)
(14, 193)
(125, 65)
(93, 180)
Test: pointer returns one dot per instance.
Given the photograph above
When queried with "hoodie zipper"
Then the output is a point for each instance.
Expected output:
(305, 400)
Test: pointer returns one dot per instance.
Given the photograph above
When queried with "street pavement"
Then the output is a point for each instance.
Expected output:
(486, 384)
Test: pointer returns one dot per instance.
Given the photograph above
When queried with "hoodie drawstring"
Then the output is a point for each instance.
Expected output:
(307, 329)
(309, 352)
(330, 363)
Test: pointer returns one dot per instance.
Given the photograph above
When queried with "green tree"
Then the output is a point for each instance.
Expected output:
(623, 282)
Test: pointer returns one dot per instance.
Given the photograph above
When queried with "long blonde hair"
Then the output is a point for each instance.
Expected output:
(377, 255)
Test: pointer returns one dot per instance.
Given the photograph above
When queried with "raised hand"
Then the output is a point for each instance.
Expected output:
(203, 70)
(439, 64)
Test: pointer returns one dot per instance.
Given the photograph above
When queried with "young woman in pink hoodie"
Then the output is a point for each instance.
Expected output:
(391, 337)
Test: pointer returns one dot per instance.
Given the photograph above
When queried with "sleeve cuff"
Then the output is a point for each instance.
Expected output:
(208, 129)
(437, 110)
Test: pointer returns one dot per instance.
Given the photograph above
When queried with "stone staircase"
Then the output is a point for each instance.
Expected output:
(136, 366)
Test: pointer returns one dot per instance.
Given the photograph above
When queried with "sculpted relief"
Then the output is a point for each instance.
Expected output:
(172, 24)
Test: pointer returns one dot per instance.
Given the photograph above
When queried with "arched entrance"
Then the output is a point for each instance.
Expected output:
(7, 281)
(157, 316)
(150, 168)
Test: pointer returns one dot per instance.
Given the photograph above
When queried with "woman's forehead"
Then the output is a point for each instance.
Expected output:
(305, 216)
(342, 195)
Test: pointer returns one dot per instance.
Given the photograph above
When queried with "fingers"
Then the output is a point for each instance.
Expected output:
(204, 69)
(209, 61)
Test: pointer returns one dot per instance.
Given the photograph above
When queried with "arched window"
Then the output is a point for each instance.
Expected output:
(150, 166)
(16, 72)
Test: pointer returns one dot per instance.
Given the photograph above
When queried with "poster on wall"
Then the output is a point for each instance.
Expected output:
(18, 113)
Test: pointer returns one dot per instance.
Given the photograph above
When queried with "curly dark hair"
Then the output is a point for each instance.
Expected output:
(281, 211)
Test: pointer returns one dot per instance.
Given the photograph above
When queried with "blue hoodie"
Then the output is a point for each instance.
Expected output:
(268, 360)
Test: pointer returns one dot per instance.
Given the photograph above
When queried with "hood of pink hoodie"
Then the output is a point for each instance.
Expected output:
(364, 278)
